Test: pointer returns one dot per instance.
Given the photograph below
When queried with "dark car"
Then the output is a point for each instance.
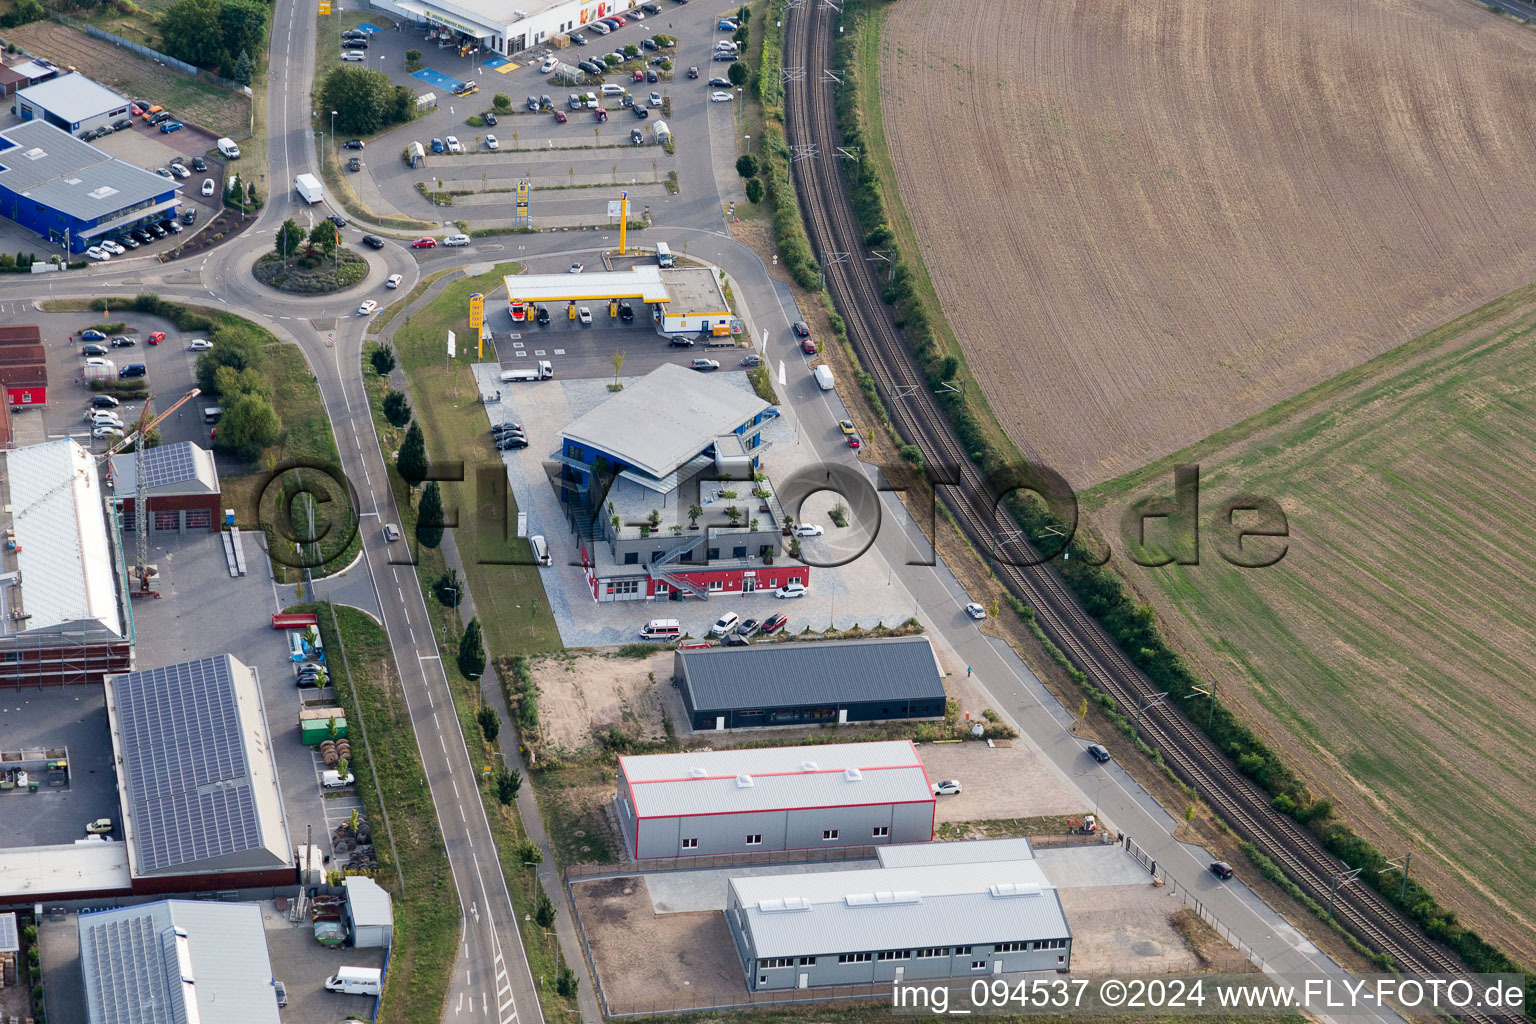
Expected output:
(651, 8)
(543, 317)
(105, 402)
(354, 44)
(339, 221)
(189, 215)
(352, 144)
(156, 231)
(511, 441)
(578, 39)
(626, 311)
(773, 623)
(533, 103)
(354, 164)
(118, 341)
(489, 119)
(373, 241)
(680, 341)
(693, 72)
(1098, 753)
(719, 83)
(802, 329)
(127, 241)
(161, 117)
(506, 428)
(199, 164)
(749, 627)
(640, 112)
(143, 235)
(652, 76)
(119, 125)
(93, 350)
(1221, 869)
(649, 44)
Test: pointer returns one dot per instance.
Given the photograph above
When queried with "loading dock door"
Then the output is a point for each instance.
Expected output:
(805, 981)
(720, 723)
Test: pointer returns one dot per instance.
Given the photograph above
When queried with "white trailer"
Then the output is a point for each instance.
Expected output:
(544, 371)
(309, 188)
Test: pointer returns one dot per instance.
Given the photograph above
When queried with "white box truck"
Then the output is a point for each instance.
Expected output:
(664, 257)
(229, 149)
(544, 371)
(824, 376)
(356, 981)
(308, 187)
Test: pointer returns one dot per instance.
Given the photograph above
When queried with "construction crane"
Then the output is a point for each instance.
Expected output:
(142, 573)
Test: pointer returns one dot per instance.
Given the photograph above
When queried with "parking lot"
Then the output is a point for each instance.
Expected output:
(67, 716)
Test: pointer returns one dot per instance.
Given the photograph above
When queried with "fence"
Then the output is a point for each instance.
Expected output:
(1193, 902)
(722, 860)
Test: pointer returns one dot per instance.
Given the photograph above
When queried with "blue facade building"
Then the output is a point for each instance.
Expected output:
(72, 193)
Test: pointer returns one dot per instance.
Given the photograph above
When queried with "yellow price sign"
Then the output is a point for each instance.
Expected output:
(476, 311)
(325, 6)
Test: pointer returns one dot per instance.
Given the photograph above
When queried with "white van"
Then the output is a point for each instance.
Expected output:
(664, 255)
(540, 548)
(356, 981)
(661, 629)
(824, 376)
(725, 624)
(229, 149)
(334, 779)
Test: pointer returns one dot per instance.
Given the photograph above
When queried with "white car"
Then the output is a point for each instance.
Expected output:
(949, 787)
(456, 240)
(180, 171)
(790, 590)
(808, 530)
(112, 247)
(199, 345)
(96, 252)
(453, 144)
(207, 186)
(719, 97)
(103, 432)
(103, 417)
(368, 307)
(577, 268)
(491, 143)
(584, 315)
(655, 99)
(975, 611)
(549, 65)
(393, 281)
(353, 56)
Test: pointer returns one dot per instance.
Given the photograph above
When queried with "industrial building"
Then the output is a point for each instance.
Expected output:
(500, 29)
(29, 72)
(699, 448)
(682, 300)
(177, 962)
(72, 103)
(935, 911)
(72, 193)
(370, 914)
(830, 682)
(183, 488)
(64, 615)
(197, 777)
(840, 795)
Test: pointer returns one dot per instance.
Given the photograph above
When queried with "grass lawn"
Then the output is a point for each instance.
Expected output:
(1392, 653)
(426, 906)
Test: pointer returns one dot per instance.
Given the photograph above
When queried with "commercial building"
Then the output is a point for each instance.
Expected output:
(182, 488)
(947, 912)
(197, 779)
(503, 29)
(682, 300)
(370, 915)
(72, 193)
(830, 682)
(71, 102)
(64, 615)
(177, 962)
(836, 796)
(28, 72)
(23, 365)
(698, 450)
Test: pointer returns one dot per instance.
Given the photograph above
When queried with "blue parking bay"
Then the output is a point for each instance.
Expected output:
(437, 78)
(495, 62)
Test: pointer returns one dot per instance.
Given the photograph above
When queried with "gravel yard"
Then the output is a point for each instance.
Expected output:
(998, 782)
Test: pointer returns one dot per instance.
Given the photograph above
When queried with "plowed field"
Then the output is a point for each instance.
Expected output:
(1147, 221)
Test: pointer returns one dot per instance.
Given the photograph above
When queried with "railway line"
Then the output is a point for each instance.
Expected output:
(825, 200)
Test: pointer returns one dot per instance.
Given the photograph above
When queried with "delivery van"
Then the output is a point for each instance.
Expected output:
(664, 254)
(661, 629)
(335, 780)
(824, 377)
(356, 981)
(540, 548)
(229, 149)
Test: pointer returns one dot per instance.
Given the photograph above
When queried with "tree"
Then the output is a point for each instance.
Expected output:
(412, 459)
(250, 425)
(694, 512)
(490, 723)
(501, 101)
(362, 98)
(289, 237)
(617, 359)
(396, 408)
(429, 516)
(746, 165)
(243, 29)
(413, 55)
(230, 380)
(449, 588)
(631, 50)
(24, 13)
(737, 73)
(741, 36)
(544, 910)
(236, 348)
(754, 190)
(507, 785)
(191, 30)
(472, 654)
(566, 983)
(383, 360)
(612, 60)
(243, 69)
(326, 235)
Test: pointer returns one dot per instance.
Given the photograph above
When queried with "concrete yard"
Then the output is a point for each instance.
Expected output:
(67, 716)
(999, 782)
(1125, 929)
(675, 892)
(1076, 867)
(302, 965)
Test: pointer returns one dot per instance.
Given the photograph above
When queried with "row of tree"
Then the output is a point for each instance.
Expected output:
(220, 35)
(236, 370)
(365, 100)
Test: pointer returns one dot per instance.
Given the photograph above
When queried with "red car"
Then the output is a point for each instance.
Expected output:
(618, 21)
(560, 117)
(156, 338)
(854, 442)
(774, 623)
(424, 243)
(637, 76)
(808, 347)
(602, 115)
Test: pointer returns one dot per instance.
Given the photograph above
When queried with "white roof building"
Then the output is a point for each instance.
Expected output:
(73, 99)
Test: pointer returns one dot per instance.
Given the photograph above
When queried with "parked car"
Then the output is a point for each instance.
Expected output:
(91, 334)
(352, 144)
(773, 412)
(164, 172)
(704, 365)
(393, 281)
(104, 402)
(808, 530)
(543, 317)
(655, 99)
(367, 308)
(208, 186)
(649, 44)
(975, 611)
(143, 235)
(749, 628)
(636, 136)
(636, 15)
(199, 164)
(680, 341)
(510, 427)
(155, 230)
(489, 119)
(121, 123)
(720, 97)
(94, 350)
(1097, 752)
(373, 242)
(170, 126)
(584, 316)
(578, 39)
(199, 345)
(96, 252)
(467, 89)
(725, 624)
(639, 111)
(1221, 869)
(652, 76)
(808, 347)
(626, 312)
(116, 250)
(353, 56)
(560, 117)
(118, 341)
(491, 143)
(99, 827)
(106, 432)
(507, 442)
(773, 623)
(438, 147)
(577, 268)
(601, 115)
(637, 76)
(948, 787)
(354, 165)
(719, 83)
(127, 241)
(156, 337)
(753, 359)
(651, 8)
(728, 25)
(789, 590)
(548, 65)
(424, 243)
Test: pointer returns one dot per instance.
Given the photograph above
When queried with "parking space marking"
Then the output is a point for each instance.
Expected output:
(559, 351)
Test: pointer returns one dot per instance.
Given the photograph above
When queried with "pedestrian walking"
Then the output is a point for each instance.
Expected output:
(967, 671)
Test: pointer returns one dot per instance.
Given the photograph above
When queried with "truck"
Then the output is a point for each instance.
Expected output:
(98, 369)
(664, 257)
(356, 981)
(308, 188)
(315, 724)
(544, 371)
(824, 376)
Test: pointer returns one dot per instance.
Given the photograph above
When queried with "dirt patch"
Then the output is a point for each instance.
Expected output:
(990, 782)
(1126, 929)
(1212, 951)
(1179, 215)
(581, 695)
(647, 961)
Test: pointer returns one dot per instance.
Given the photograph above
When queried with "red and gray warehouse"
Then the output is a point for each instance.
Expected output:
(837, 795)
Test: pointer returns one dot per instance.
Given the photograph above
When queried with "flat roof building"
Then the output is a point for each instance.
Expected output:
(683, 300)
(370, 913)
(60, 187)
(826, 682)
(177, 962)
(29, 72)
(500, 26)
(72, 103)
(63, 614)
(838, 795)
(948, 912)
(200, 799)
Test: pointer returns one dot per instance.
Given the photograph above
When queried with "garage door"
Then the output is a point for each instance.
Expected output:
(199, 519)
(167, 520)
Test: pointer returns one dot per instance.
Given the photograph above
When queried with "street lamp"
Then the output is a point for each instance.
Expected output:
(749, 145)
(333, 132)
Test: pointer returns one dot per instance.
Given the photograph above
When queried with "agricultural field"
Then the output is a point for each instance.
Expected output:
(1149, 221)
(1391, 655)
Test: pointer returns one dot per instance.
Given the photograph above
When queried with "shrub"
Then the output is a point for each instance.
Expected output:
(501, 101)
(746, 165)
(490, 723)
(754, 190)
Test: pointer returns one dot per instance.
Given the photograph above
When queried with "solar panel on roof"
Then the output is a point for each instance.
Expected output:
(169, 464)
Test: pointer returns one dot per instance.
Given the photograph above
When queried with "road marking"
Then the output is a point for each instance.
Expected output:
(429, 657)
(399, 595)
(461, 814)
(441, 743)
(434, 720)
(455, 787)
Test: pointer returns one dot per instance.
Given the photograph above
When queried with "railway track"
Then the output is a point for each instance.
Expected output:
(826, 203)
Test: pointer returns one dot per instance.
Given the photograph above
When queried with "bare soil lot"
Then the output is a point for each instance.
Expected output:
(1126, 929)
(1147, 221)
(587, 693)
(998, 782)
